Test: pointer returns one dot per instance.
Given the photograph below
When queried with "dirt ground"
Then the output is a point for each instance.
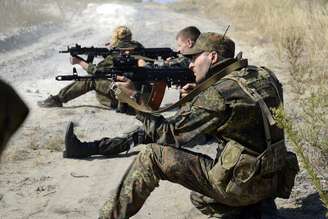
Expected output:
(36, 182)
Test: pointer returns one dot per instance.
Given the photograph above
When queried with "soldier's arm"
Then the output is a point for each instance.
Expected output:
(80, 62)
(201, 116)
(107, 62)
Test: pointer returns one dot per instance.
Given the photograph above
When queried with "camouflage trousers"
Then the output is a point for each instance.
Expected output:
(102, 87)
(157, 162)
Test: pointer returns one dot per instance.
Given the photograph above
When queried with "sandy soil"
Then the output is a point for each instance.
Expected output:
(36, 182)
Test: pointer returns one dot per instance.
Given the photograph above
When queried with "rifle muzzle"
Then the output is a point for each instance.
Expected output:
(66, 77)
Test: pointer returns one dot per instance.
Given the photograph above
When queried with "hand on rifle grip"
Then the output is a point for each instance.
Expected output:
(141, 63)
(75, 60)
(125, 85)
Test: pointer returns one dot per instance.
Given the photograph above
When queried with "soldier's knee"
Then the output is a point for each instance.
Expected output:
(149, 152)
(166, 158)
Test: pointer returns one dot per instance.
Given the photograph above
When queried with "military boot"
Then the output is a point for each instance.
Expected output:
(74, 148)
(51, 101)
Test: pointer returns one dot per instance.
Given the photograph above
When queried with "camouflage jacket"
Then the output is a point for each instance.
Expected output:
(108, 61)
(222, 110)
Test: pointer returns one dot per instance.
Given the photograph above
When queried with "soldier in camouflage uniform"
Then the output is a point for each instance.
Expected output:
(232, 102)
(121, 38)
(185, 39)
(13, 112)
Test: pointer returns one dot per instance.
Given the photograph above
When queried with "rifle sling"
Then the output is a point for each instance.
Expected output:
(201, 87)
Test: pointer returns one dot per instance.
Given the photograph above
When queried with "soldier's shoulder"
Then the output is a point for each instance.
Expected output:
(210, 99)
(108, 61)
(238, 83)
(136, 44)
(231, 86)
(246, 75)
(129, 44)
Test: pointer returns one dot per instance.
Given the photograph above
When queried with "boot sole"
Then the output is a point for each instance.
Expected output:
(69, 130)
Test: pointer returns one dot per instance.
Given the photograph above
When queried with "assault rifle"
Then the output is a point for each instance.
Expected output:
(126, 65)
(157, 74)
(171, 75)
(92, 52)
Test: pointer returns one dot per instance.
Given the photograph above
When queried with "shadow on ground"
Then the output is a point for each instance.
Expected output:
(309, 207)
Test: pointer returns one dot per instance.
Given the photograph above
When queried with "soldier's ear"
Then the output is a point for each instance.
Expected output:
(190, 43)
(214, 57)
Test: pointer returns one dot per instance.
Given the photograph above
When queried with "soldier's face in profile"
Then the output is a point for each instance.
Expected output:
(183, 44)
(200, 65)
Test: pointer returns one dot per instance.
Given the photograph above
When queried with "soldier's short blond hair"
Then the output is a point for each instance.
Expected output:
(121, 33)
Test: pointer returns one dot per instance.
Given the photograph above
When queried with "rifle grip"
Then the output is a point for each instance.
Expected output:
(157, 95)
(90, 59)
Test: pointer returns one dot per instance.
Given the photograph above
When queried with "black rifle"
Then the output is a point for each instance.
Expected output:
(172, 76)
(92, 52)
(126, 65)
